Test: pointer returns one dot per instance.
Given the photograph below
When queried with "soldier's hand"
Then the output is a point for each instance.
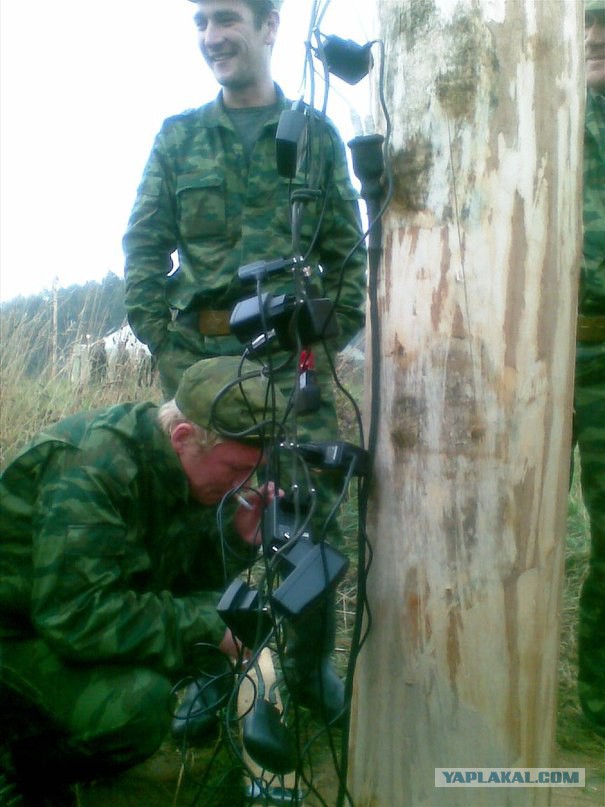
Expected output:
(232, 647)
(248, 515)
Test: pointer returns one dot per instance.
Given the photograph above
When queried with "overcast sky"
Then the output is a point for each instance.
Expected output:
(84, 89)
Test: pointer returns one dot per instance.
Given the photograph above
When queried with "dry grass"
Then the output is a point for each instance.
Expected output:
(29, 401)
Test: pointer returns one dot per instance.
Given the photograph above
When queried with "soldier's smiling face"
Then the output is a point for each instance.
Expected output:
(236, 48)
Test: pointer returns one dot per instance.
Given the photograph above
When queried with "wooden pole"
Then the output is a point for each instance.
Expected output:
(477, 298)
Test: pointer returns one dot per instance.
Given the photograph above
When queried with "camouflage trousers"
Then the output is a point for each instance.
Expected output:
(107, 717)
(589, 435)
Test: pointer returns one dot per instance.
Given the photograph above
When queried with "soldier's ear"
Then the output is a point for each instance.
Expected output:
(272, 27)
(181, 437)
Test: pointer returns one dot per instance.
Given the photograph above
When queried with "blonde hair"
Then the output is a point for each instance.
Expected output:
(170, 416)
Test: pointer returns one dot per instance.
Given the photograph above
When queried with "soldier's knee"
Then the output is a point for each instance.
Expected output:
(146, 712)
(122, 719)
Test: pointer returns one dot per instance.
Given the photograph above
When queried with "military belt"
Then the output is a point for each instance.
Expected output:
(207, 321)
(213, 323)
(590, 329)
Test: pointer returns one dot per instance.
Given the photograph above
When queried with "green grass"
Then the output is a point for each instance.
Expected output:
(572, 732)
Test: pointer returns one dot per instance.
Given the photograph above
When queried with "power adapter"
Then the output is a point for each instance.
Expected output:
(241, 610)
(280, 315)
(280, 523)
(314, 570)
(290, 140)
(346, 59)
(368, 164)
(336, 456)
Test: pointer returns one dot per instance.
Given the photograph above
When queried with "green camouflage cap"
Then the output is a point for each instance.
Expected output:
(229, 398)
(595, 6)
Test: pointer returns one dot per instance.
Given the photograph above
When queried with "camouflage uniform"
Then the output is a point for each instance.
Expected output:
(589, 416)
(109, 573)
(200, 196)
(222, 205)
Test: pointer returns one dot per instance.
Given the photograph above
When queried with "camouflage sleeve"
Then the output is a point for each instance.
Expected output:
(149, 241)
(344, 267)
(592, 278)
(84, 555)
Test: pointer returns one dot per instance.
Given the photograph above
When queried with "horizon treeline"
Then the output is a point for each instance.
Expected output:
(80, 314)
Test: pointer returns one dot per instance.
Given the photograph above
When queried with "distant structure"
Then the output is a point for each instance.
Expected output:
(111, 359)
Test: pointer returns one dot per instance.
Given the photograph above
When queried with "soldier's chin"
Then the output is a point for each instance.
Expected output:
(222, 71)
(232, 82)
(206, 497)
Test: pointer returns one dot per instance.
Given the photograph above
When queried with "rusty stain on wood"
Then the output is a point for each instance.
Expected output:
(477, 308)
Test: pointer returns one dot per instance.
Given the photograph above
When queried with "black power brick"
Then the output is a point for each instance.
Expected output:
(241, 610)
(312, 570)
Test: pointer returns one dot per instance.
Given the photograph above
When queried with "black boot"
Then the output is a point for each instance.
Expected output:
(39, 777)
(196, 717)
(34, 765)
(308, 671)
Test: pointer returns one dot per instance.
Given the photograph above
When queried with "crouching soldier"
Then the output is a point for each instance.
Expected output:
(111, 567)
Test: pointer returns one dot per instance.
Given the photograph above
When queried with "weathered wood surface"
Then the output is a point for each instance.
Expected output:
(477, 298)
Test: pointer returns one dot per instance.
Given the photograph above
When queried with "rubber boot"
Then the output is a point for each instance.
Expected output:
(197, 715)
(309, 673)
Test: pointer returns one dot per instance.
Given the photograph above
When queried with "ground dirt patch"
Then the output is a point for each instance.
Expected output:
(161, 782)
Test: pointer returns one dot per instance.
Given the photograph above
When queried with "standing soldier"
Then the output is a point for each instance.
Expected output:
(211, 193)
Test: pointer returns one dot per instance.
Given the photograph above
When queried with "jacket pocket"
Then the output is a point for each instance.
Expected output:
(201, 204)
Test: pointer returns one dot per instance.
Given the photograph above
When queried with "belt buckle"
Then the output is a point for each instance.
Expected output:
(214, 323)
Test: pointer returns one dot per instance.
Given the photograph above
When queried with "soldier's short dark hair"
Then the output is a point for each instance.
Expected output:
(260, 8)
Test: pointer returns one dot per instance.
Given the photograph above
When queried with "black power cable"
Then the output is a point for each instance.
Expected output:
(369, 165)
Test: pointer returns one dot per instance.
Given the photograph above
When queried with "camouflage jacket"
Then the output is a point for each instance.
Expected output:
(200, 197)
(592, 278)
(102, 552)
